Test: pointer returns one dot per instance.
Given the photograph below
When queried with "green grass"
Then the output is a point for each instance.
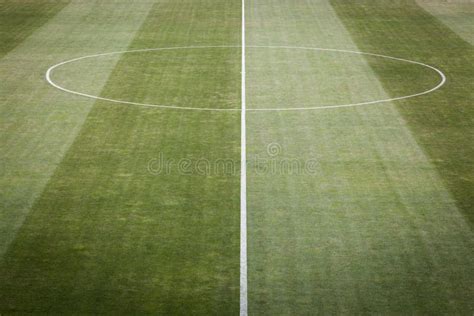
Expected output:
(457, 15)
(20, 20)
(92, 223)
(38, 123)
(375, 229)
(108, 236)
(441, 122)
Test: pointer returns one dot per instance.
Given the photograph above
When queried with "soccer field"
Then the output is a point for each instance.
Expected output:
(270, 157)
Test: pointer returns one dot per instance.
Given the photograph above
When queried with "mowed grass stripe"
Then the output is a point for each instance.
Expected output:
(109, 236)
(457, 15)
(19, 19)
(37, 122)
(442, 122)
(372, 229)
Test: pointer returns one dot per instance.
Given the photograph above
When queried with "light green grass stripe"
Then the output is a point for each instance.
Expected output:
(37, 122)
(19, 19)
(109, 236)
(457, 15)
(374, 229)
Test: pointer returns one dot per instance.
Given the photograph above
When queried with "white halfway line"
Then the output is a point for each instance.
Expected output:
(243, 184)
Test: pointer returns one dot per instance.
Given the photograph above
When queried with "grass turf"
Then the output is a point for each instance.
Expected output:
(457, 15)
(441, 122)
(107, 235)
(39, 123)
(18, 21)
(372, 229)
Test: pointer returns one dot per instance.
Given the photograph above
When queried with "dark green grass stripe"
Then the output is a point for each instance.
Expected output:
(442, 122)
(19, 19)
(107, 235)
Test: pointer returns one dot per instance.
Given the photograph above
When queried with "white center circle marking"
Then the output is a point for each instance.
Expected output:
(50, 71)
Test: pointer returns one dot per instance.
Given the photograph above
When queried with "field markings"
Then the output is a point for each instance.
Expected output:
(442, 76)
(243, 184)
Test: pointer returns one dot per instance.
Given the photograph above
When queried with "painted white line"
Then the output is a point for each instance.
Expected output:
(243, 184)
(301, 108)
